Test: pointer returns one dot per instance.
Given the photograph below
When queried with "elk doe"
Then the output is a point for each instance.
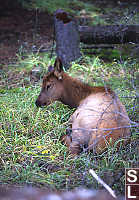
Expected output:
(100, 117)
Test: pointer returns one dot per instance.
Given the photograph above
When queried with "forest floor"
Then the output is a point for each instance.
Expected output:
(30, 146)
(31, 29)
(21, 28)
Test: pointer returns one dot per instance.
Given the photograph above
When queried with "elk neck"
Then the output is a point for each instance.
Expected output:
(74, 91)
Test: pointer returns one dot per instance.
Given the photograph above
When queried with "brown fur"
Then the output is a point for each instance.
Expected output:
(100, 116)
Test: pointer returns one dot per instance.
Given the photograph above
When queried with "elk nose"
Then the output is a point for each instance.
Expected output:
(37, 103)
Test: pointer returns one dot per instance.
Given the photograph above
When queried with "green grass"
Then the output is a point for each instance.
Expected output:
(98, 12)
(30, 148)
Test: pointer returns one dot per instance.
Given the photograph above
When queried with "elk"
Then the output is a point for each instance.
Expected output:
(100, 117)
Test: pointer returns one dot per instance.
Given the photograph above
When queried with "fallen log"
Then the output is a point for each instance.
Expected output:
(68, 36)
(98, 46)
(110, 34)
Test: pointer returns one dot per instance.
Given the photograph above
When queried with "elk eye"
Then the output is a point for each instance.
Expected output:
(48, 86)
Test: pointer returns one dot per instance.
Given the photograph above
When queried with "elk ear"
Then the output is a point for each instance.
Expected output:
(58, 68)
(58, 65)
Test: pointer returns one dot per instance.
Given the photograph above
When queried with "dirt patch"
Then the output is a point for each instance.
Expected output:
(22, 29)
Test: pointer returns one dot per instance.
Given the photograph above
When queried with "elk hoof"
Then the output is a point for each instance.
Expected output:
(75, 148)
(68, 131)
(66, 139)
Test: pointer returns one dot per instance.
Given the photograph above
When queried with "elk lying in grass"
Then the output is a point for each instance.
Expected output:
(100, 116)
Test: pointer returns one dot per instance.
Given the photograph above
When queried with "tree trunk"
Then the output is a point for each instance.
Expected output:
(110, 34)
(67, 38)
